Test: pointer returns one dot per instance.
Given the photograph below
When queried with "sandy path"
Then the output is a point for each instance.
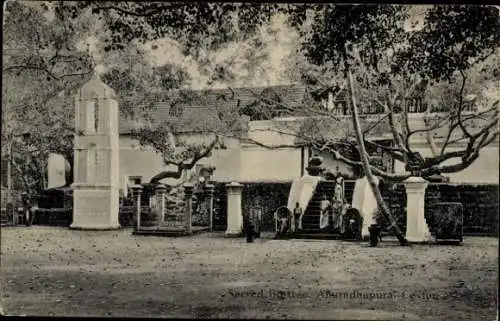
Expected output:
(57, 271)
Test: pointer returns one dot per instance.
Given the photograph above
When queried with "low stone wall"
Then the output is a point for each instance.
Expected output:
(53, 217)
(480, 203)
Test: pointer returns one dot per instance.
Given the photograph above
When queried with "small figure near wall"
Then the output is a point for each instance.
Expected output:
(298, 213)
(282, 221)
(249, 229)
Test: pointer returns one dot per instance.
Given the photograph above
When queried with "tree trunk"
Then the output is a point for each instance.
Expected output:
(366, 164)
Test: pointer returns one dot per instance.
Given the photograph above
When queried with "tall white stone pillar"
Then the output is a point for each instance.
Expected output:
(234, 212)
(96, 178)
(417, 230)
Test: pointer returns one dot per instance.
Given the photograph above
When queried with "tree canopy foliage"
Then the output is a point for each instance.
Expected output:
(454, 38)
(41, 61)
(448, 55)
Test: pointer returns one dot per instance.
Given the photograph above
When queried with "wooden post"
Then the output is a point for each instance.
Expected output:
(188, 197)
(209, 194)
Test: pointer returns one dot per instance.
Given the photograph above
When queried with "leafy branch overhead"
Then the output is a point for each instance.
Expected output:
(190, 23)
(53, 47)
(455, 38)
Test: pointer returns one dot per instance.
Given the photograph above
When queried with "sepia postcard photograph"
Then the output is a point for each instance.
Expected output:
(250, 160)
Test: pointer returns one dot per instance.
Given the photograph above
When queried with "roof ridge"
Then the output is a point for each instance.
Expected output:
(211, 90)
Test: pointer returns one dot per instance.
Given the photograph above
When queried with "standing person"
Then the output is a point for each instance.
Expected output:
(338, 203)
(28, 209)
(324, 208)
(298, 213)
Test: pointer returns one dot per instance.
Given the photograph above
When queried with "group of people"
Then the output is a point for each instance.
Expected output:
(331, 211)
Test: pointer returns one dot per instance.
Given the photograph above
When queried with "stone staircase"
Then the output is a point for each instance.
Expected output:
(310, 221)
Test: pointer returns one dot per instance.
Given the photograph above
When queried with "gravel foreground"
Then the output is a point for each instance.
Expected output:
(51, 271)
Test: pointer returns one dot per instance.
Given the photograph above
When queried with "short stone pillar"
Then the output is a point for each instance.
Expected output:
(417, 230)
(160, 191)
(234, 212)
(208, 190)
(188, 198)
(136, 194)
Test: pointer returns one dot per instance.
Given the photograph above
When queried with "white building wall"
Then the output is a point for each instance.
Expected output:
(259, 164)
(146, 163)
(484, 170)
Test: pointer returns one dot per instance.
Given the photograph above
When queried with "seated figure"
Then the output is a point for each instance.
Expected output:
(282, 220)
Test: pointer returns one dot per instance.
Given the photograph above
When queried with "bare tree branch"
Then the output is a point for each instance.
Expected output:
(460, 105)
(182, 166)
(374, 169)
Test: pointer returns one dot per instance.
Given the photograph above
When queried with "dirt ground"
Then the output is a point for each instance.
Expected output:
(62, 272)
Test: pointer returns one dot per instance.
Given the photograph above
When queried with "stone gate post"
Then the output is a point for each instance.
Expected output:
(160, 202)
(137, 191)
(234, 212)
(209, 194)
(417, 230)
(188, 198)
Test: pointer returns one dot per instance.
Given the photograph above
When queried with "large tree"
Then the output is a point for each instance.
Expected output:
(376, 59)
(362, 44)
(390, 67)
(198, 29)
(384, 65)
(41, 61)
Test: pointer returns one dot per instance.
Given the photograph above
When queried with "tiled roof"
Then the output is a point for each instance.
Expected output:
(190, 110)
(201, 110)
(197, 110)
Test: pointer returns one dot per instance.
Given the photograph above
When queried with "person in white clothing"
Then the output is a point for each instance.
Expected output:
(325, 208)
(338, 203)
